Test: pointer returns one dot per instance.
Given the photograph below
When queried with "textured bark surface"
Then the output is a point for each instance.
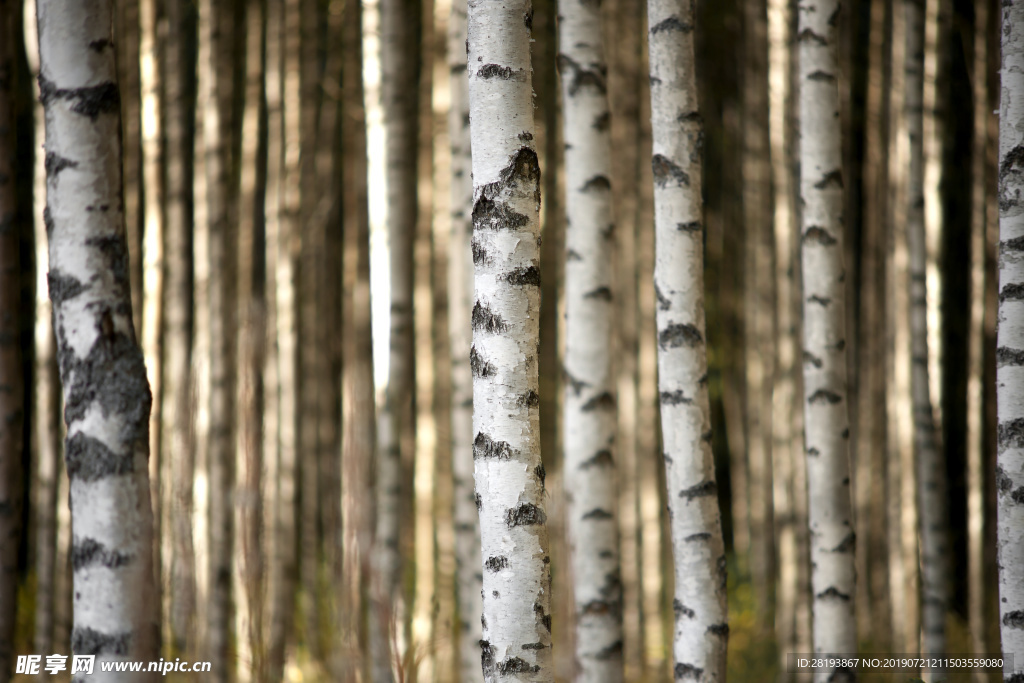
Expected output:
(590, 396)
(106, 396)
(12, 390)
(701, 631)
(931, 468)
(460, 304)
(509, 475)
(1010, 341)
(826, 430)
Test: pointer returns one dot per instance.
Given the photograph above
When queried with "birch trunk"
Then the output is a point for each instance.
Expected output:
(222, 324)
(701, 631)
(1010, 342)
(931, 487)
(12, 393)
(128, 40)
(826, 429)
(106, 396)
(590, 397)
(460, 298)
(509, 474)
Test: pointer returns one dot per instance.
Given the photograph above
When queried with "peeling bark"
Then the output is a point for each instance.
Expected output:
(826, 430)
(106, 395)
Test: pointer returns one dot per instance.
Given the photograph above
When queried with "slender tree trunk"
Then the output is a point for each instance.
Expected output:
(106, 396)
(701, 630)
(12, 389)
(460, 298)
(826, 430)
(128, 42)
(930, 466)
(1010, 342)
(590, 398)
(505, 319)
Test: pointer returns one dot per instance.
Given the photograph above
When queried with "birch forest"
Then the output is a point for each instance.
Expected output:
(464, 341)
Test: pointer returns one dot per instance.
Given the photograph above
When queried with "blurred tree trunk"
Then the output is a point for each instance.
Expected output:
(178, 443)
(222, 311)
(128, 43)
(590, 399)
(701, 629)
(12, 395)
(1010, 343)
(827, 430)
(506, 316)
(102, 368)
(460, 304)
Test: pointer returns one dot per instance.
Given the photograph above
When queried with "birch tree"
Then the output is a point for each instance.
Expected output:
(590, 397)
(931, 486)
(701, 631)
(460, 298)
(826, 421)
(106, 396)
(11, 373)
(1010, 342)
(516, 620)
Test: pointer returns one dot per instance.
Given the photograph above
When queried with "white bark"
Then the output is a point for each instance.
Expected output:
(701, 631)
(107, 398)
(460, 298)
(826, 428)
(590, 397)
(931, 487)
(509, 475)
(1010, 342)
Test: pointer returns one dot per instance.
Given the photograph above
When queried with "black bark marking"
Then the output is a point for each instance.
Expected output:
(580, 76)
(528, 20)
(602, 458)
(528, 400)
(690, 227)
(114, 375)
(813, 452)
(682, 610)
(525, 136)
(598, 183)
(90, 551)
(480, 255)
(1016, 244)
(602, 122)
(685, 671)
(690, 117)
(524, 514)
(489, 214)
(603, 401)
(573, 255)
(496, 564)
(478, 501)
(1010, 434)
(540, 473)
(613, 651)
(701, 536)
(48, 221)
(673, 23)
(485, 447)
(1018, 495)
(100, 45)
(1014, 619)
(847, 545)
(529, 275)
(812, 359)
(485, 319)
(515, 665)
(486, 653)
(1010, 165)
(1003, 482)
(707, 436)
(597, 607)
(680, 334)
(63, 287)
(818, 234)
(809, 36)
(457, 69)
(822, 77)
(705, 488)
(479, 366)
(821, 301)
(577, 385)
(1012, 292)
(830, 179)
(598, 514)
(87, 641)
(533, 646)
(832, 593)
(88, 101)
(824, 396)
(55, 163)
(505, 73)
(674, 398)
(666, 171)
(115, 248)
(663, 302)
(545, 619)
(601, 294)
(718, 629)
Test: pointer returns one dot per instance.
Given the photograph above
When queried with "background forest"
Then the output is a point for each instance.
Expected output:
(270, 146)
